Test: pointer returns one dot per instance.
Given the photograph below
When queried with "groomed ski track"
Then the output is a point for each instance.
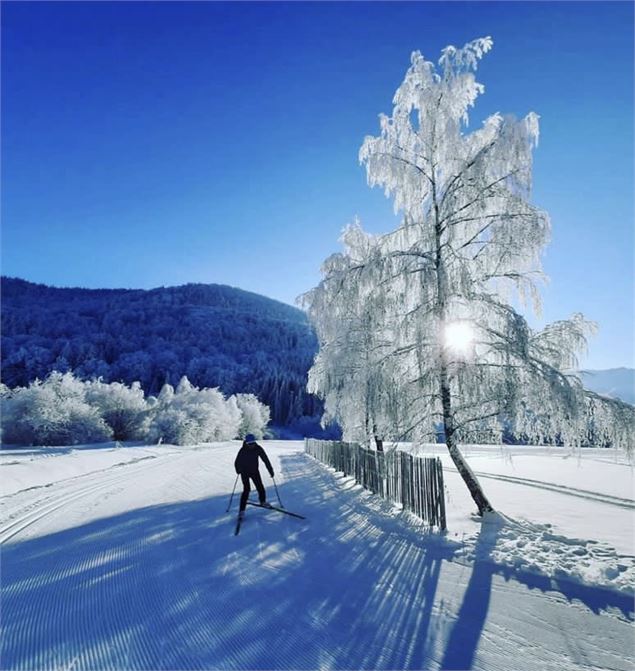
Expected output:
(137, 567)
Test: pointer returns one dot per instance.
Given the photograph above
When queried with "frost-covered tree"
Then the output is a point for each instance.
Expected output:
(53, 412)
(353, 337)
(449, 347)
(175, 418)
(123, 408)
(254, 415)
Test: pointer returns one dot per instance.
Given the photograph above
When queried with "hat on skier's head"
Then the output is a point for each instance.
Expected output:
(250, 438)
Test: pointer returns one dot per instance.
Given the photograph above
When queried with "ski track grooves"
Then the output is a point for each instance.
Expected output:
(49, 504)
(561, 489)
(136, 595)
(168, 585)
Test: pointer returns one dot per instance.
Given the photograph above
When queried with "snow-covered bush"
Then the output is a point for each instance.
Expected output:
(169, 423)
(53, 412)
(224, 415)
(123, 408)
(255, 415)
(63, 410)
(190, 415)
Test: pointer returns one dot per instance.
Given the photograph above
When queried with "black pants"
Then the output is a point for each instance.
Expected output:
(246, 488)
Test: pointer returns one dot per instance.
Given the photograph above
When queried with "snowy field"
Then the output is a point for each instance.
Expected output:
(565, 513)
(125, 558)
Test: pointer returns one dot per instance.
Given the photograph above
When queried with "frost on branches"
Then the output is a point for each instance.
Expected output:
(63, 410)
(254, 415)
(416, 327)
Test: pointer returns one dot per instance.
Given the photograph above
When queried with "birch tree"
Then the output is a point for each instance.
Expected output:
(442, 288)
(352, 342)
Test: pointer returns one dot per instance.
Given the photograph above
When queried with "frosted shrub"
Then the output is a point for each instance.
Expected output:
(53, 412)
(170, 423)
(255, 415)
(173, 425)
(223, 416)
(124, 409)
(190, 415)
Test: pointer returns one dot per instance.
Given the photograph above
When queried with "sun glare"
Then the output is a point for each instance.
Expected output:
(459, 337)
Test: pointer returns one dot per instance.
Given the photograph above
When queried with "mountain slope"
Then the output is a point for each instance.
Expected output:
(217, 335)
(613, 382)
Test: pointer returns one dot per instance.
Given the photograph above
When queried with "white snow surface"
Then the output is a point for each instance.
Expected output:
(125, 558)
(562, 512)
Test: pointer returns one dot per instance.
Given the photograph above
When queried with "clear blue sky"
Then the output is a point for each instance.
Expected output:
(148, 144)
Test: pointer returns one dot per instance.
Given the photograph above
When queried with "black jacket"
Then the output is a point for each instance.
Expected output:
(247, 459)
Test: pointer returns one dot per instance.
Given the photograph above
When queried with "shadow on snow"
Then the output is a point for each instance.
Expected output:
(170, 587)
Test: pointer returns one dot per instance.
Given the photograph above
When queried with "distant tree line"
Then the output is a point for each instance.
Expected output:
(63, 410)
(217, 336)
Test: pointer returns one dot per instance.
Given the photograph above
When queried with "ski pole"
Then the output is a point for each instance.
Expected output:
(277, 493)
(231, 498)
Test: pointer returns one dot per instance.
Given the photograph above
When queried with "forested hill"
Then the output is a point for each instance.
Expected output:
(217, 335)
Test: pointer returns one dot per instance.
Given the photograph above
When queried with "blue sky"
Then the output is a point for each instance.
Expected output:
(149, 144)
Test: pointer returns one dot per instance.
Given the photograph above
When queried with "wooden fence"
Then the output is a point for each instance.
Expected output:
(414, 482)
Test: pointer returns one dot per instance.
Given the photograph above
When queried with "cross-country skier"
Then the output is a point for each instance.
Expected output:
(246, 465)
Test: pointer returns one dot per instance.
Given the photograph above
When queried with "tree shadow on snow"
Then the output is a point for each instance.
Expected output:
(171, 587)
(466, 631)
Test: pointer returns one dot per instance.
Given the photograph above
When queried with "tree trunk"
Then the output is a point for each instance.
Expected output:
(463, 468)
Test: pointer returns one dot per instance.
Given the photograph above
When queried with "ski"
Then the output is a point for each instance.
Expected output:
(238, 523)
(280, 510)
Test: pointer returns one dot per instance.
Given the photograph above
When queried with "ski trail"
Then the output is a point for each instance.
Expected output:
(561, 489)
(63, 493)
(146, 574)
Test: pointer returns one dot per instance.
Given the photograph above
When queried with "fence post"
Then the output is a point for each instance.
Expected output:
(406, 479)
(414, 482)
(442, 521)
(410, 482)
(420, 492)
(426, 491)
(433, 492)
(416, 485)
(431, 477)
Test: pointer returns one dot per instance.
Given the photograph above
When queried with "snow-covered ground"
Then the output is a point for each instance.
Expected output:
(565, 513)
(125, 558)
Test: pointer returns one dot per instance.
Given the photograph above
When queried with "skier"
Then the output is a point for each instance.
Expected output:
(246, 465)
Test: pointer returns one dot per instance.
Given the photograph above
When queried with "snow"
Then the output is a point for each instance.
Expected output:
(24, 468)
(125, 558)
(564, 512)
